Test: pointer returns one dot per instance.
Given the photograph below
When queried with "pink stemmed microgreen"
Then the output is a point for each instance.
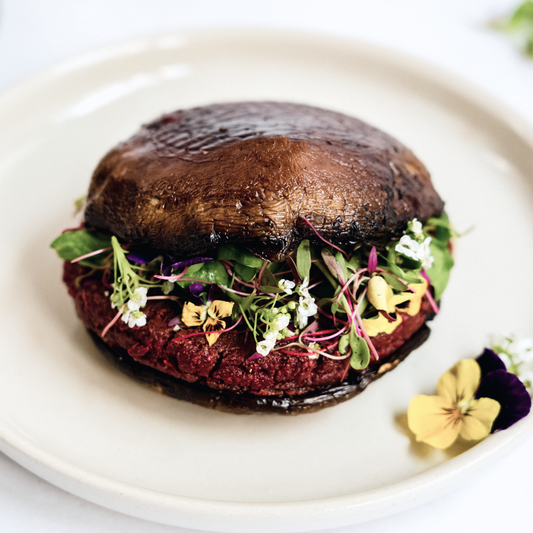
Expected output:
(429, 296)
(91, 254)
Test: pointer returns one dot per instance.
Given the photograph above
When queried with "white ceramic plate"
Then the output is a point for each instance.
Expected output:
(73, 419)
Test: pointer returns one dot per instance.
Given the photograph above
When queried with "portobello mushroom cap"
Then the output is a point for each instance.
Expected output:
(251, 174)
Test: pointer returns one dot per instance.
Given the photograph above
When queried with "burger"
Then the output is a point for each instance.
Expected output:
(258, 256)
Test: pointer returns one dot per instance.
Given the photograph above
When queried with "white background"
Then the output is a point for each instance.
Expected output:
(35, 34)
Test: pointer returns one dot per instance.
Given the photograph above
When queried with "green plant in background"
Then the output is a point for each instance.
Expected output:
(520, 26)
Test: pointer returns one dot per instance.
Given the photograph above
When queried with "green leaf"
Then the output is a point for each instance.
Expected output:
(334, 266)
(344, 342)
(303, 259)
(232, 252)
(355, 261)
(73, 244)
(212, 272)
(270, 289)
(393, 281)
(342, 262)
(439, 274)
(523, 14)
(268, 279)
(194, 268)
(244, 272)
(360, 352)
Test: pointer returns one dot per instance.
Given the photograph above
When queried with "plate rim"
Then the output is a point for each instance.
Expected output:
(219, 515)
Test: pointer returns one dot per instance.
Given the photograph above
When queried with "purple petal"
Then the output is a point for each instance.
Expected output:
(176, 321)
(166, 265)
(191, 261)
(489, 361)
(142, 259)
(510, 393)
(196, 289)
(372, 260)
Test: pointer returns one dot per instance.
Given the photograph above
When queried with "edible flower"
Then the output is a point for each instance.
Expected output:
(134, 318)
(286, 285)
(208, 316)
(504, 387)
(138, 299)
(455, 410)
(419, 251)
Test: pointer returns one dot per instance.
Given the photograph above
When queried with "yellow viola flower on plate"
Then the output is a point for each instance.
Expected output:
(439, 420)
(208, 316)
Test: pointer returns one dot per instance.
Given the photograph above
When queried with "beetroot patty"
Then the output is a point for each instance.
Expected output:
(225, 365)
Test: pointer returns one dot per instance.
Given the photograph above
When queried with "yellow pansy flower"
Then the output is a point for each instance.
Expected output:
(209, 316)
(439, 420)
(381, 296)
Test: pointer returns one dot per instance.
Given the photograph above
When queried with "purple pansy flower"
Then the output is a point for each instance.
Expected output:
(505, 388)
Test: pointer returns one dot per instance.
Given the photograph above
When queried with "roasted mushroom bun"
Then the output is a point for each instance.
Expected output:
(258, 256)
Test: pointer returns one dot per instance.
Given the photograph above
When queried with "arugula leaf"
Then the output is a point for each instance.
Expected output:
(73, 244)
(439, 274)
(360, 352)
(303, 259)
(232, 252)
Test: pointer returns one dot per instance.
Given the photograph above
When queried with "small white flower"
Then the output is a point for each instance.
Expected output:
(138, 299)
(314, 346)
(265, 346)
(271, 336)
(415, 250)
(408, 247)
(425, 254)
(176, 327)
(306, 308)
(282, 322)
(134, 318)
(286, 285)
(416, 226)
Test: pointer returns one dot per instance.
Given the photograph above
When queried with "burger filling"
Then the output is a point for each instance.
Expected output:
(324, 301)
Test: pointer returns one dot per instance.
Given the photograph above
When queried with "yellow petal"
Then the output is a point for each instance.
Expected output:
(434, 420)
(220, 309)
(414, 298)
(379, 293)
(460, 383)
(213, 324)
(478, 419)
(380, 324)
(193, 315)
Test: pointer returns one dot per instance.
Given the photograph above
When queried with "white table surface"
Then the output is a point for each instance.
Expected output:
(35, 34)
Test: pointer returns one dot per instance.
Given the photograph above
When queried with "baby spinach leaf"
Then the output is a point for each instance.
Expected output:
(73, 244)
(212, 272)
(232, 252)
(244, 272)
(439, 274)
